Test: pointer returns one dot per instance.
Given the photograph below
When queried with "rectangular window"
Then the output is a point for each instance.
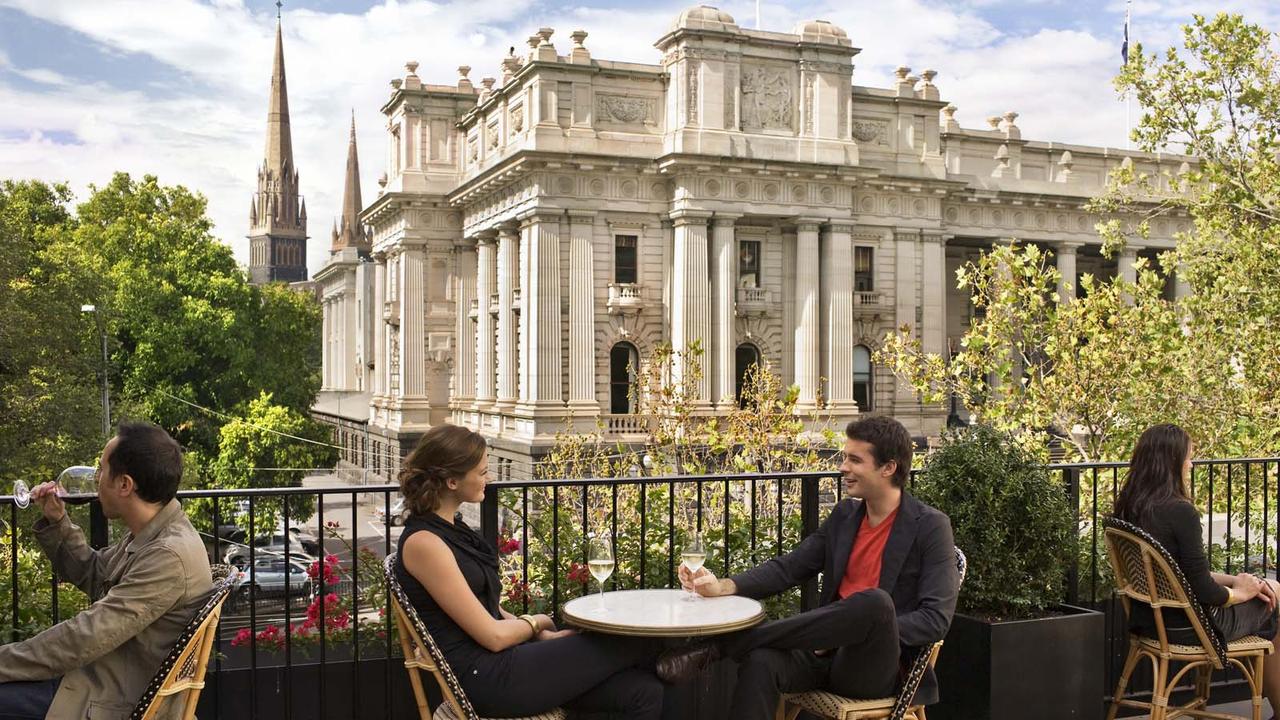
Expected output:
(624, 259)
(749, 263)
(863, 276)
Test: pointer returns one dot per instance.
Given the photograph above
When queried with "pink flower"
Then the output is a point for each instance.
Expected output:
(242, 637)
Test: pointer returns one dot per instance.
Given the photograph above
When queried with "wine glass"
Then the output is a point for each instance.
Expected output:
(692, 557)
(600, 563)
(75, 480)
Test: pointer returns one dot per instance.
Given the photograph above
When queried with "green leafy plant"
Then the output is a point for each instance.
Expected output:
(1010, 517)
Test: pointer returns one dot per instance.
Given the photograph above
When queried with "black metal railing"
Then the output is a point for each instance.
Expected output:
(320, 667)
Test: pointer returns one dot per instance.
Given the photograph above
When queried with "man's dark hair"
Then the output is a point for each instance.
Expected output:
(151, 457)
(889, 440)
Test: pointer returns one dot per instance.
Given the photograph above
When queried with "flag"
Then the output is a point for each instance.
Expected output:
(1124, 48)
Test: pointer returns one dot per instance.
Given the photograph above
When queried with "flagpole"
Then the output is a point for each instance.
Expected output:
(1128, 95)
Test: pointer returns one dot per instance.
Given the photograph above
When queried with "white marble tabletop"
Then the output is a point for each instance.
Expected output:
(661, 613)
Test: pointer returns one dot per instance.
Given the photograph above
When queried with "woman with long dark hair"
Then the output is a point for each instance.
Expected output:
(509, 666)
(1156, 498)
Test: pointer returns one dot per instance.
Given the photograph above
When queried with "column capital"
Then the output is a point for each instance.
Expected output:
(689, 217)
(934, 237)
(840, 226)
(581, 215)
(806, 223)
(488, 236)
(1067, 247)
(539, 215)
(723, 219)
(1130, 250)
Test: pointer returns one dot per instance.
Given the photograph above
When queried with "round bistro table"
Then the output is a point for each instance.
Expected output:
(661, 613)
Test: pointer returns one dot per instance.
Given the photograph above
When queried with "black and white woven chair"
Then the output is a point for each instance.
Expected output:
(1146, 573)
(184, 667)
(837, 707)
(422, 654)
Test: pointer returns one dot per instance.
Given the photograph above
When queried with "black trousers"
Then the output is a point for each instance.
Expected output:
(589, 675)
(858, 637)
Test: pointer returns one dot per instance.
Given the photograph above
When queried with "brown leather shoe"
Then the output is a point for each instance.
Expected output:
(683, 664)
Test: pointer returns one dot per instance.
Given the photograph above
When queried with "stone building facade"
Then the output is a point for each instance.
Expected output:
(537, 232)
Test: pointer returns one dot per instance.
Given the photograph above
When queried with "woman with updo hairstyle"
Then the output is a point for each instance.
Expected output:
(509, 666)
(1156, 498)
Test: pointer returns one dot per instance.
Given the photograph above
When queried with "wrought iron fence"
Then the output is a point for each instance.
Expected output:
(540, 527)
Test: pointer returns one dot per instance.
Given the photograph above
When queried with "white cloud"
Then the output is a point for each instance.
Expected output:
(203, 126)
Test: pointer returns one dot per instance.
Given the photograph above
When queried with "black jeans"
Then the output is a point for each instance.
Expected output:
(588, 674)
(27, 700)
(860, 632)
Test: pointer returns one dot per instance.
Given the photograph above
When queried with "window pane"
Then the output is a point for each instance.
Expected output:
(863, 261)
(749, 263)
(624, 259)
(622, 361)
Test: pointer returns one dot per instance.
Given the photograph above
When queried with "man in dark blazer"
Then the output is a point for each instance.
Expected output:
(889, 587)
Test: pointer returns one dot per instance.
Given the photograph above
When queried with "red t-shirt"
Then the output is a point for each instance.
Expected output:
(863, 570)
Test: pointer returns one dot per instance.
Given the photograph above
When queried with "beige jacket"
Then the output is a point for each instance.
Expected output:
(145, 590)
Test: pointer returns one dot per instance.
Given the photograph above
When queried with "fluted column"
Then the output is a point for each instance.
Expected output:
(485, 368)
(1128, 269)
(724, 284)
(464, 359)
(807, 311)
(837, 314)
(524, 342)
(540, 314)
(905, 289)
(582, 315)
(690, 296)
(508, 238)
(377, 381)
(1065, 256)
(412, 404)
(326, 344)
(933, 293)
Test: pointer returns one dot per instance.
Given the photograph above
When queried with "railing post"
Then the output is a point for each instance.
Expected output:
(809, 525)
(1071, 478)
(489, 515)
(98, 526)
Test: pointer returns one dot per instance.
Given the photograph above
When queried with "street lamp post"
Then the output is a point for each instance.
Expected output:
(106, 393)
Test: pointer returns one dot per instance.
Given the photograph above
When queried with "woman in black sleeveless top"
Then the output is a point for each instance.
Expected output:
(508, 666)
(1156, 499)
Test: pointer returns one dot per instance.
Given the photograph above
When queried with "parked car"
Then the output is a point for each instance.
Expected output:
(397, 513)
(271, 573)
(237, 553)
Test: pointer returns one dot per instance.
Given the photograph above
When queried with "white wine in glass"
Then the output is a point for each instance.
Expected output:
(600, 563)
(76, 483)
(692, 557)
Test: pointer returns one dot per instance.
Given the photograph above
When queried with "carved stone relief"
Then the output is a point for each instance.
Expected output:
(516, 122)
(730, 104)
(624, 109)
(494, 135)
(766, 98)
(871, 131)
(808, 104)
(693, 92)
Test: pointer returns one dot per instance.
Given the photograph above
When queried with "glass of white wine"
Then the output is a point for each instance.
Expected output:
(692, 557)
(78, 481)
(600, 563)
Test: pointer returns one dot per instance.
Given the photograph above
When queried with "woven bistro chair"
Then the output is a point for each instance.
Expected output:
(421, 654)
(184, 667)
(1147, 574)
(837, 707)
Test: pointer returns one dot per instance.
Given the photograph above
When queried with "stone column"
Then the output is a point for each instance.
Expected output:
(377, 384)
(464, 358)
(582, 315)
(1065, 256)
(524, 343)
(837, 314)
(540, 314)
(933, 271)
(485, 286)
(1181, 288)
(807, 313)
(723, 286)
(1126, 264)
(413, 404)
(508, 238)
(905, 293)
(326, 344)
(691, 295)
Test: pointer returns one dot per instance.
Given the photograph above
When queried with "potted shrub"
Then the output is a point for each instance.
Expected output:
(1014, 650)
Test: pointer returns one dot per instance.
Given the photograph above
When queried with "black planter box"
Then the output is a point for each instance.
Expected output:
(1048, 669)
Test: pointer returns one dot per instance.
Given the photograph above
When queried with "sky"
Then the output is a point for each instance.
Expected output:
(178, 88)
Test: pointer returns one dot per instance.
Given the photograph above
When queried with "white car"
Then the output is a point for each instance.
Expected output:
(397, 514)
(272, 572)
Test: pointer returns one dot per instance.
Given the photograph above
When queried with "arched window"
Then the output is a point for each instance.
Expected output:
(862, 391)
(746, 356)
(623, 362)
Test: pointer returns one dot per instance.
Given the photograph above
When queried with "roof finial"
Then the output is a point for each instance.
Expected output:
(278, 6)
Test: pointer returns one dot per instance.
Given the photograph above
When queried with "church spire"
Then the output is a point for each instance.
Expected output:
(279, 151)
(351, 233)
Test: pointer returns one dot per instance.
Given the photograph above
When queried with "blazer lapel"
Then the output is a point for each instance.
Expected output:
(901, 537)
(843, 546)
